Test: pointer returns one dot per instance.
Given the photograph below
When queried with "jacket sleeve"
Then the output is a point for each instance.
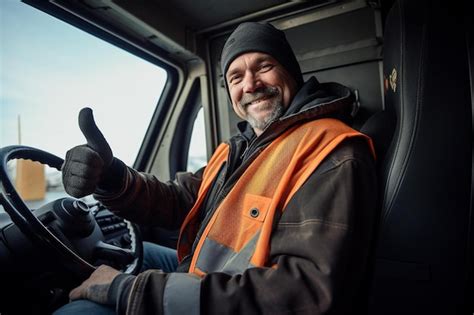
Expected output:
(318, 259)
(145, 200)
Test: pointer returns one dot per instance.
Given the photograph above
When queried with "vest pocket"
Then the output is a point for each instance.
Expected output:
(256, 207)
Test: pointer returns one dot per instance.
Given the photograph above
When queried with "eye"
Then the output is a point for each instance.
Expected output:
(235, 79)
(266, 67)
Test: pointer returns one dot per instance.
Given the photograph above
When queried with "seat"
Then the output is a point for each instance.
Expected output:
(422, 255)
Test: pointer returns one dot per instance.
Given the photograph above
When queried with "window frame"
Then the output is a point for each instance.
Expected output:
(152, 54)
(179, 151)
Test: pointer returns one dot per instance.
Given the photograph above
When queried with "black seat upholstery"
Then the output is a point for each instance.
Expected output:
(422, 257)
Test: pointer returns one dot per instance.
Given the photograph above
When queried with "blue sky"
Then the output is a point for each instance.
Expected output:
(49, 70)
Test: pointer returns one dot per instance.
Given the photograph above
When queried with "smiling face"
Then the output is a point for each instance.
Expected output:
(260, 89)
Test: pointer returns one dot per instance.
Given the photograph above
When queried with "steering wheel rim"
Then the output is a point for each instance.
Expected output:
(29, 224)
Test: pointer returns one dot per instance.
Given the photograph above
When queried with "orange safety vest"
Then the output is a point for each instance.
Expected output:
(238, 234)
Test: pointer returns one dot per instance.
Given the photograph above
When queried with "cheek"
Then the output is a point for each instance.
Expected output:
(239, 111)
(235, 97)
(285, 84)
(286, 98)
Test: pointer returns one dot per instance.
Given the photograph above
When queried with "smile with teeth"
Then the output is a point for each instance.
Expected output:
(257, 101)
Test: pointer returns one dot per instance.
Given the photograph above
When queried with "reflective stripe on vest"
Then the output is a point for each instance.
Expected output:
(238, 234)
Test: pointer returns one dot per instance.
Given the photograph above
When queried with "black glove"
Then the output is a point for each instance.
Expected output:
(91, 166)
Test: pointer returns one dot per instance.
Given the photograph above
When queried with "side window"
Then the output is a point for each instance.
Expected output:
(50, 70)
(197, 157)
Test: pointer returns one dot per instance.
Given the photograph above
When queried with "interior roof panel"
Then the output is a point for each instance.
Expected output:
(204, 13)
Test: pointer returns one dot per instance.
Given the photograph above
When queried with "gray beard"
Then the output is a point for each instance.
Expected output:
(276, 113)
(277, 104)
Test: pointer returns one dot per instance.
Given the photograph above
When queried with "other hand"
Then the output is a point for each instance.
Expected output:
(96, 287)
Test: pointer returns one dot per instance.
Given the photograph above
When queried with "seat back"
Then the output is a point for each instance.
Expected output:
(422, 255)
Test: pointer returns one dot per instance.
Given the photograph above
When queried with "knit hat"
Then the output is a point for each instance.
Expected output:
(260, 37)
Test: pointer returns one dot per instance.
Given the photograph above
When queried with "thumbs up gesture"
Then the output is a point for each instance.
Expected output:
(88, 166)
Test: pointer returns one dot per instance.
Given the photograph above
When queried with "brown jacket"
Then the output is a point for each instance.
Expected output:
(319, 247)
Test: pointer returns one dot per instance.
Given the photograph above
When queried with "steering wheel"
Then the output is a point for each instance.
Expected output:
(67, 226)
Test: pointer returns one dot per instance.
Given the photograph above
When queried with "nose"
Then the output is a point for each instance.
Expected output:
(251, 82)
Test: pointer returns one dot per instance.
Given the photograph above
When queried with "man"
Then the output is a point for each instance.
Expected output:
(278, 222)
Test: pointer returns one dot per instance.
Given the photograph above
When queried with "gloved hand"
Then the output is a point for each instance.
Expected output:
(88, 166)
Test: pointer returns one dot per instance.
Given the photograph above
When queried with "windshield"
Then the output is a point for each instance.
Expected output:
(50, 70)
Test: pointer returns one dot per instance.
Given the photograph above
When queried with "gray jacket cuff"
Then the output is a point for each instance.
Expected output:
(119, 291)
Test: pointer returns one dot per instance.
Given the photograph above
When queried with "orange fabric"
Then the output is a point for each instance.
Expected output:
(189, 227)
(248, 227)
(268, 185)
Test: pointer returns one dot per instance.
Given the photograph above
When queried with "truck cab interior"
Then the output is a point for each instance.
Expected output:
(410, 67)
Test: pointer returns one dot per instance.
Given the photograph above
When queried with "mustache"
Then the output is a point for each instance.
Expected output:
(264, 92)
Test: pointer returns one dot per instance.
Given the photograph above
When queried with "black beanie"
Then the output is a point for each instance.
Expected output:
(260, 37)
